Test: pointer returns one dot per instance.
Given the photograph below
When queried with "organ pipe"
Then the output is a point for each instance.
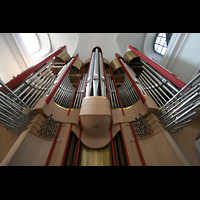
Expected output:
(96, 81)
(96, 74)
(90, 77)
(55, 86)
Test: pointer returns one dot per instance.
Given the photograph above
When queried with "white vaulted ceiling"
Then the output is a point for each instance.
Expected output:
(133, 39)
(181, 57)
(87, 41)
(110, 43)
(60, 39)
(15, 58)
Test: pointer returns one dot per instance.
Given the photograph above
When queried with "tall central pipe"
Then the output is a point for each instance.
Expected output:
(96, 79)
(96, 73)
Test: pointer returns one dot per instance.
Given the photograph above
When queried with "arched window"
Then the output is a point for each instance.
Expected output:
(31, 42)
(161, 42)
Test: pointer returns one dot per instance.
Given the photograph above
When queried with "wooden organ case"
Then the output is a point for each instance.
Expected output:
(129, 112)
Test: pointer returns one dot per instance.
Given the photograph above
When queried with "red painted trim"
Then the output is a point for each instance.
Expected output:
(164, 72)
(107, 88)
(66, 146)
(53, 145)
(79, 141)
(17, 80)
(124, 144)
(67, 143)
(50, 96)
(78, 149)
(76, 90)
(138, 146)
(116, 90)
(112, 145)
(111, 122)
(87, 78)
(122, 134)
(143, 99)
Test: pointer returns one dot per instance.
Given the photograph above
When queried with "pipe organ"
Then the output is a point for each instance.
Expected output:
(123, 113)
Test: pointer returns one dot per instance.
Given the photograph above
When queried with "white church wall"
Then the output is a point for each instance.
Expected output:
(187, 62)
(9, 65)
(182, 57)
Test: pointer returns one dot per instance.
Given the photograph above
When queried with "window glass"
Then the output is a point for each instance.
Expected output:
(31, 42)
(161, 42)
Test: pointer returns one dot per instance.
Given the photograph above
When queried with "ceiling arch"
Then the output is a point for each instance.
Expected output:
(68, 39)
(87, 41)
(134, 39)
(110, 43)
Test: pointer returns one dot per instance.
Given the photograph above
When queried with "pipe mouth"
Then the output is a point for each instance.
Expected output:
(93, 50)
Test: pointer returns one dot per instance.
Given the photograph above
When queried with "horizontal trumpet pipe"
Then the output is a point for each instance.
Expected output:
(179, 93)
(182, 115)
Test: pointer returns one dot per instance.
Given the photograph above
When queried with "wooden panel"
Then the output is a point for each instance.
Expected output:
(6, 142)
(134, 111)
(133, 154)
(64, 132)
(158, 149)
(59, 113)
(176, 149)
(57, 147)
(95, 117)
(96, 142)
(32, 152)
(185, 139)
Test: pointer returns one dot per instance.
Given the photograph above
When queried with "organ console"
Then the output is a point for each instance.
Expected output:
(123, 113)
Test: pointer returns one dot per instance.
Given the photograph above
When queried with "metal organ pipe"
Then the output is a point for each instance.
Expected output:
(134, 77)
(96, 74)
(90, 77)
(59, 80)
(168, 75)
(23, 93)
(15, 116)
(181, 92)
(32, 69)
(96, 81)
(65, 92)
(161, 77)
(157, 83)
(177, 105)
(102, 77)
(127, 93)
(140, 90)
(64, 69)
